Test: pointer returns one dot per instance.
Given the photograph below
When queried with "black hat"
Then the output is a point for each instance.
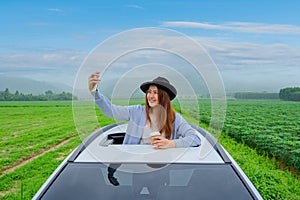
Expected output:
(162, 83)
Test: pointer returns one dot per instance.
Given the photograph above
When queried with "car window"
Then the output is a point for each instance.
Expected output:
(164, 181)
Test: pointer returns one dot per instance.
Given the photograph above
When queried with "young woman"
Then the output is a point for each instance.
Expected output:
(157, 115)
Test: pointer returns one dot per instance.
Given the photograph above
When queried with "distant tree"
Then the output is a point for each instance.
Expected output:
(290, 94)
(48, 96)
(7, 95)
(48, 92)
(2, 96)
(256, 95)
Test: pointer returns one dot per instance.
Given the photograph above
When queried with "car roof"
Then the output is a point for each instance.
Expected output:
(99, 150)
(192, 172)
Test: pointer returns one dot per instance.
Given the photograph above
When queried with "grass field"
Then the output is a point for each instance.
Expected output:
(45, 132)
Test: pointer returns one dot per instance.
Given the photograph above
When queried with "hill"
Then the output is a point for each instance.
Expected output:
(29, 86)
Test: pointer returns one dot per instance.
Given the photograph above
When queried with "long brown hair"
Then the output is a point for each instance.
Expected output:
(164, 101)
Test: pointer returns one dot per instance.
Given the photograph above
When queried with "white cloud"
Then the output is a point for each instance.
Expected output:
(135, 6)
(248, 27)
(80, 37)
(54, 65)
(39, 24)
(246, 55)
(53, 59)
(266, 64)
(249, 66)
(54, 10)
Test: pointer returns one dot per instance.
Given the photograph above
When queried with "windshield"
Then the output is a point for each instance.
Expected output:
(171, 181)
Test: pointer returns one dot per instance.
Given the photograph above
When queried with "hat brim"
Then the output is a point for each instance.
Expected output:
(166, 87)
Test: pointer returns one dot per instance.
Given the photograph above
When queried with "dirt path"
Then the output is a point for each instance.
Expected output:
(31, 158)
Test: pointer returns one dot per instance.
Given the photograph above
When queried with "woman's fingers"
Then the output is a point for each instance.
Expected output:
(162, 143)
(94, 76)
(94, 80)
(159, 142)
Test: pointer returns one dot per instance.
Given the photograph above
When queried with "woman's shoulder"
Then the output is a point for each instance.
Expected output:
(179, 119)
(178, 116)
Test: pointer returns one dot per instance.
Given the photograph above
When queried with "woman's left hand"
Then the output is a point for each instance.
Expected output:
(162, 143)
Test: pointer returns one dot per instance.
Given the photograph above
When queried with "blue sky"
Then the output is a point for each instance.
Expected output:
(255, 44)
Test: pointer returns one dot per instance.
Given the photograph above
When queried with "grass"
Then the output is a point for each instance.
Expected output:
(271, 182)
(24, 182)
(29, 128)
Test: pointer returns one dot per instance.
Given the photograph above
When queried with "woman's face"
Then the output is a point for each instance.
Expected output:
(152, 96)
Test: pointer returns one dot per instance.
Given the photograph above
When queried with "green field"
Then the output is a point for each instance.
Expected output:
(29, 129)
(269, 126)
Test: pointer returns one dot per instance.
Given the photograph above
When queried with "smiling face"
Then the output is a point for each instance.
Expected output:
(152, 96)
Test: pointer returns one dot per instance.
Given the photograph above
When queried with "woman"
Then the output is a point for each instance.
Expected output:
(143, 120)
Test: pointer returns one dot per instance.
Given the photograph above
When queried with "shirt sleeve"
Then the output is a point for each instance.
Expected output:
(111, 110)
(185, 135)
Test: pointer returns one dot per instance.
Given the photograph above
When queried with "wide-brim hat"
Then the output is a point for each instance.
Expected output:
(162, 83)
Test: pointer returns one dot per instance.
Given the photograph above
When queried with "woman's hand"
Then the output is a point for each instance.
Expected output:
(93, 80)
(162, 143)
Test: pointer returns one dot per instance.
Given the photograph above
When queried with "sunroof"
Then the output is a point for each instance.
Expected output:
(99, 150)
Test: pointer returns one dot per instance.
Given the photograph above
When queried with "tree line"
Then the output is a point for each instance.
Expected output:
(290, 94)
(256, 95)
(48, 96)
(286, 94)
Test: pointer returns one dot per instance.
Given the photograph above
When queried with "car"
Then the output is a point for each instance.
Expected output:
(142, 172)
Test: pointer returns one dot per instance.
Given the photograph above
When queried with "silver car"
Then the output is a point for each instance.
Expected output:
(102, 168)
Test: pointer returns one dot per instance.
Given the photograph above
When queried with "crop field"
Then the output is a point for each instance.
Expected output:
(36, 136)
(271, 127)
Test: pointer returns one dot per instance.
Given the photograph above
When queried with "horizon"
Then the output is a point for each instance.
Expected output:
(56, 89)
